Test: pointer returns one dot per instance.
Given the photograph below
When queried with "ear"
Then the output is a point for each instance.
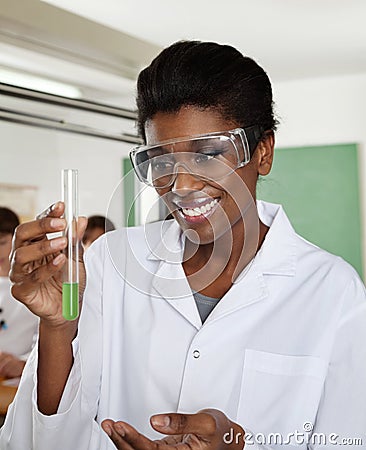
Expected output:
(265, 154)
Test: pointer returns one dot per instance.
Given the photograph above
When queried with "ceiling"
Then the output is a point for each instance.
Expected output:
(46, 48)
(95, 84)
(100, 47)
(292, 39)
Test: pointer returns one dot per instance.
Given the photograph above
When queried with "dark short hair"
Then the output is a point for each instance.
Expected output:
(209, 76)
(99, 222)
(8, 221)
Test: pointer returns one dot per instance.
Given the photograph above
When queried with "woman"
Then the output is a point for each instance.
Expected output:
(219, 323)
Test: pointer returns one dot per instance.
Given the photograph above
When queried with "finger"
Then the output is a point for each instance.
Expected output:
(132, 437)
(107, 426)
(81, 227)
(22, 265)
(201, 424)
(45, 247)
(38, 250)
(18, 271)
(24, 284)
(26, 232)
(55, 210)
(115, 435)
(82, 223)
(169, 440)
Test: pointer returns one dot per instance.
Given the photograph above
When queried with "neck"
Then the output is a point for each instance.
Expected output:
(214, 266)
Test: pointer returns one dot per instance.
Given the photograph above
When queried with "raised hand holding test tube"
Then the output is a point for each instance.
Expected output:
(39, 263)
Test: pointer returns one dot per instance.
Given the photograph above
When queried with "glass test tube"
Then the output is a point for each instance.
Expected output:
(70, 285)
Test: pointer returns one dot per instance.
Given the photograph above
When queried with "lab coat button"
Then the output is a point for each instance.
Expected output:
(196, 354)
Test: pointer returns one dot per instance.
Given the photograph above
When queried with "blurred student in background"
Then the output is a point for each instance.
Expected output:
(18, 326)
(97, 225)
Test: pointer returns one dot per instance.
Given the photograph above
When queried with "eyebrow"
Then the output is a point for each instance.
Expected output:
(155, 151)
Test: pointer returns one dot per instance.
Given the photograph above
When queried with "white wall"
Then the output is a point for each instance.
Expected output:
(325, 111)
(34, 156)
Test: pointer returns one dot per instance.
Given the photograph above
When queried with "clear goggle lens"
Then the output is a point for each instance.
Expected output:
(210, 157)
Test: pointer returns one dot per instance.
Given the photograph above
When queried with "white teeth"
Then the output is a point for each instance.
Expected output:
(199, 210)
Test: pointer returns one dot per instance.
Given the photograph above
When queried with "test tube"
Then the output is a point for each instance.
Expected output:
(70, 285)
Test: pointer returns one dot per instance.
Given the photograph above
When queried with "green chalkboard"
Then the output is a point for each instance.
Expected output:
(319, 189)
(128, 193)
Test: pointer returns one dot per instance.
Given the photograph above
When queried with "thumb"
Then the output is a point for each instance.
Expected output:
(82, 222)
(201, 424)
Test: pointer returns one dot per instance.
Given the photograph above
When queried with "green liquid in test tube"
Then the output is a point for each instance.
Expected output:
(70, 286)
(70, 300)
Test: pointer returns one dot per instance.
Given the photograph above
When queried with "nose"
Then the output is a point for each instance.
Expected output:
(185, 182)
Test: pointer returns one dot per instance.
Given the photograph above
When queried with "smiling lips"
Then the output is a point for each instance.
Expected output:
(197, 210)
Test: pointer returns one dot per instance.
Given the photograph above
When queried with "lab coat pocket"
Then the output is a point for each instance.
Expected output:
(280, 393)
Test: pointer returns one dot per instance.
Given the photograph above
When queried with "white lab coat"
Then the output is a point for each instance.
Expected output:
(284, 347)
(21, 326)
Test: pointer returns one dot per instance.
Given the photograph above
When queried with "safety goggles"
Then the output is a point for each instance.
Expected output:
(211, 156)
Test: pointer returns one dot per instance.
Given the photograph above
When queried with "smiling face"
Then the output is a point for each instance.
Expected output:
(209, 207)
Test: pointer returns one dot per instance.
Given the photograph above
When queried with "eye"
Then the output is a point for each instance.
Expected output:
(208, 154)
(202, 157)
(162, 164)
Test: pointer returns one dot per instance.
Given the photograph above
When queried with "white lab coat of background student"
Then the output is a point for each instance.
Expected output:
(19, 326)
(283, 348)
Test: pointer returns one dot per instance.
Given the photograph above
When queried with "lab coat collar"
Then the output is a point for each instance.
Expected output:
(171, 283)
(277, 256)
(169, 280)
(171, 244)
